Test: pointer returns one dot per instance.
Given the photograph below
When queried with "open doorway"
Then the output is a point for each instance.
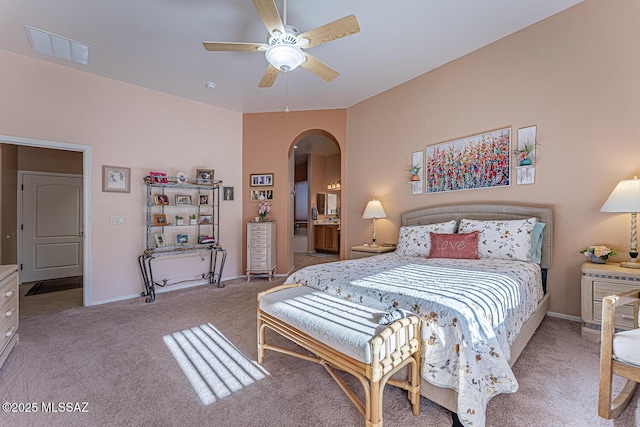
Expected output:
(54, 247)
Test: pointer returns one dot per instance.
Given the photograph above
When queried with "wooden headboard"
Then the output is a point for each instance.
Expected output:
(488, 212)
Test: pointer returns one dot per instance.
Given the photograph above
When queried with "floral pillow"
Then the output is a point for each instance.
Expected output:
(414, 240)
(502, 239)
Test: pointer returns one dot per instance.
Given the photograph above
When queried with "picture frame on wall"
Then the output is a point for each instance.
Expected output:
(261, 180)
(116, 179)
(227, 193)
(205, 176)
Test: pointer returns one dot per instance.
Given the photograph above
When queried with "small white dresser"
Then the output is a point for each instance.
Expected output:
(261, 249)
(8, 310)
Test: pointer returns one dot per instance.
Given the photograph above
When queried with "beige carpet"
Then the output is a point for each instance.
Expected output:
(114, 357)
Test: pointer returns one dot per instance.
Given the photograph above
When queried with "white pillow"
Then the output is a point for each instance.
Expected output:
(414, 240)
(502, 239)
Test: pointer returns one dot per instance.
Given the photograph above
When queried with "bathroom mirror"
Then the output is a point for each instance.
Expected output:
(321, 203)
(332, 204)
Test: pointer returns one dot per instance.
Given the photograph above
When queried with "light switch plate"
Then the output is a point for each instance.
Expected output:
(116, 219)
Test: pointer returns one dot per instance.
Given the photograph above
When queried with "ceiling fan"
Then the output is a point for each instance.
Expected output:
(284, 45)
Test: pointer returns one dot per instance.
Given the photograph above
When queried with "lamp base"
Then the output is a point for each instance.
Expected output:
(375, 245)
(630, 264)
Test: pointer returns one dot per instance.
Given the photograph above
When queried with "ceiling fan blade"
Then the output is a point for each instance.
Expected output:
(270, 16)
(319, 68)
(343, 27)
(269, 76)
(230, 47)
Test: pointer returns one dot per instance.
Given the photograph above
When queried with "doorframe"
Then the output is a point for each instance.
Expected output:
(86, 198)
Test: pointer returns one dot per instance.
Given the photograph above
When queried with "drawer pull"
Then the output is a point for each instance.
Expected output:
(9, 293)
(8, 313)
(10, 332)
(627, 316)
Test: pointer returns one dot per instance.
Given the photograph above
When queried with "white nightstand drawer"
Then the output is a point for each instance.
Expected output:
(624, 314)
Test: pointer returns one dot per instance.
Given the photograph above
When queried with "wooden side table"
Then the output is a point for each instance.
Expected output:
(367, 251)
(599, 281)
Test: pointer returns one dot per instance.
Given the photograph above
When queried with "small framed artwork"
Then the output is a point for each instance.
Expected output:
(206, 239)
(182, 239)
(261, 180)
(158, 177)
(116, 179)
(203, 199)
(159, 219)
(160, 240)
(183, 199)
(206, 219)
(261, 195)
(227, 193)
(160, 199)
(205, 176)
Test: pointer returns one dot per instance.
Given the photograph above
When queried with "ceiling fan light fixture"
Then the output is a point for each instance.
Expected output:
(285, 57)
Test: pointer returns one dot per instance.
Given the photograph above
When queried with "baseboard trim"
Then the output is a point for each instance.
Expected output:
(564, 316)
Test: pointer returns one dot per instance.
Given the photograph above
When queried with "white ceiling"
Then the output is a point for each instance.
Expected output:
(157, 44)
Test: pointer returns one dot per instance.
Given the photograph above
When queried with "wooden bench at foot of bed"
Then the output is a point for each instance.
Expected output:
(345, 336)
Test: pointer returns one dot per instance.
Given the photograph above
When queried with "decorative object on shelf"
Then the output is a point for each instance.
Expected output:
(205, 176)
(183, 199)
(158, 177)
(261, 179)
(417, 163)
(478, 161)
(203, 199)
(182, 239)
(372, 211)
(192, 219)
(526, 155)
(206, 239)
(599, 254)
(160, 199)
(626, 198)
(263, 209)
(206, 219)
(116, 179)
(160, 240)
(179, 220)
(227, 193)
(159, 219)
(181, 178)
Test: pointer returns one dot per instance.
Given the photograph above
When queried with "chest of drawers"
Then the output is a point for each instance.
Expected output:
(8, 310)
(261, 248)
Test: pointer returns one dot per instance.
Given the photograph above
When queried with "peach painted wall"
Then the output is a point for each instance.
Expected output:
(126, 126)
(268, 140)
(574, 75)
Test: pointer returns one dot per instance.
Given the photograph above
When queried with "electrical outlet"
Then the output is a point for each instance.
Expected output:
(116, 219)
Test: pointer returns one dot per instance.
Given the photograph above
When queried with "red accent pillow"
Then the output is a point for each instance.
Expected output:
(458, 246)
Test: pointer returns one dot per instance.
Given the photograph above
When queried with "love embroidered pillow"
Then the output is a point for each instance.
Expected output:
(458, 246)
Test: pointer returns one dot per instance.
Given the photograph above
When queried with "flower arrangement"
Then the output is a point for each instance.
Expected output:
(599, 253)
(263, 208)
(524, 153)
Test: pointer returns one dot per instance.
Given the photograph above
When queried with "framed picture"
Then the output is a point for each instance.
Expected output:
(203, 199)
(206, 219)
(477, 161)
(159, 219)
(262, 195)
(116, 179)
(183, 199)
(206, 239)
(205, 176)
(160, 240)
(227, 193)
(160, 199)
(417, 163)
(261, 180)
(158, 177)
(182, 239)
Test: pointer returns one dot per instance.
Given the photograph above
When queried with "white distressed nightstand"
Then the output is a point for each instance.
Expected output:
(599, 281)
(367, 251)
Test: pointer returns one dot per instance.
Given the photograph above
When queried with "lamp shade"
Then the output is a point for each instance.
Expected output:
(374, 210)
(624, 198)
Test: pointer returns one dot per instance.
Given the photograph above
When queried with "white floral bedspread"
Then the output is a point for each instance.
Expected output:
(472, 311)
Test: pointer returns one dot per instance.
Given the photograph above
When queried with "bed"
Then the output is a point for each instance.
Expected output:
(471, 335)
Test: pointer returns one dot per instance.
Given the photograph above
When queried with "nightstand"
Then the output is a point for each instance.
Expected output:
(599, 281)
(367, 251)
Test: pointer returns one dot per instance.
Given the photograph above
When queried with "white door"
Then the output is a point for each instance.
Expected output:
(51, 226)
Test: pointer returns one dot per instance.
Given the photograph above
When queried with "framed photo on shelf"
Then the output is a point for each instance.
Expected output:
(116, 179)
(206, 239)
(206, 219)
(183, 199)
(203, 199)
(158, 177)
(261, 179)
(160, 240)
(182, 239)
(205, 176)
(227, 193)
(159, 219)
(160, 199)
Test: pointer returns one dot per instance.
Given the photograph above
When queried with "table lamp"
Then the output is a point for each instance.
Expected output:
(374, 210)
(626, 198)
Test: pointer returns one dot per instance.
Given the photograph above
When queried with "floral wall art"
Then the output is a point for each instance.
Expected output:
(526, 156)
(478, 161)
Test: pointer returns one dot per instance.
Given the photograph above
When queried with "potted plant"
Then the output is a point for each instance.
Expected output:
(523, 154)
(415, 173)
(179, 220)
(192, 219)
(599, 254)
